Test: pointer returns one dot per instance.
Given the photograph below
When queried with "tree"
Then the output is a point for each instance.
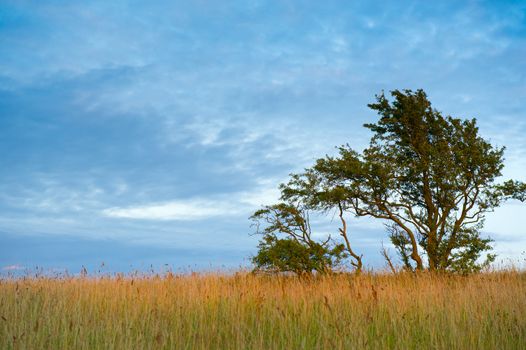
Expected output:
(287, 244)
(431, 177)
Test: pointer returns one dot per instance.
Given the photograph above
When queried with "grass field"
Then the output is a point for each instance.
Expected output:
(242, 311)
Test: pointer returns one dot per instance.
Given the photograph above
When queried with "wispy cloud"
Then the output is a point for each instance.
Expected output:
(234, 204)
(194, 209)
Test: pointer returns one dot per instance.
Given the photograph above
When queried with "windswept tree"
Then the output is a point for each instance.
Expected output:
(431, 178)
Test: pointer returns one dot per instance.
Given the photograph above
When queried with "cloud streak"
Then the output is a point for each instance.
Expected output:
(190, 210)
(235, 204)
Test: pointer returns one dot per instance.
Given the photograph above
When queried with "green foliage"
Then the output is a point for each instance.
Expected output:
(466, 258)
(290, 255)
(296, 252)
(512, 189)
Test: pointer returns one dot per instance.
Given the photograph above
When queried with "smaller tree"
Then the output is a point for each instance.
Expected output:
(287, 244)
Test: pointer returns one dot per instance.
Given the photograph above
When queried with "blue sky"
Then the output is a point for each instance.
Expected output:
(140, 133)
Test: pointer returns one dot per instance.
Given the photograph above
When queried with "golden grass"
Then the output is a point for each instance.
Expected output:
(242, 311)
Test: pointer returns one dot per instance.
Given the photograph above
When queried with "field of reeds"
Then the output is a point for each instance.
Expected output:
(244, 311)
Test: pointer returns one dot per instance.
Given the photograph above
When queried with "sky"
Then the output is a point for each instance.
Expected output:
(144, 134)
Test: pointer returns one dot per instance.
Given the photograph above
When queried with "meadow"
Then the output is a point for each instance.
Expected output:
(245, 311)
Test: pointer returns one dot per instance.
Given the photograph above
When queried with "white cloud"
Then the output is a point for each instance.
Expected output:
(241, 203)
(194, 209)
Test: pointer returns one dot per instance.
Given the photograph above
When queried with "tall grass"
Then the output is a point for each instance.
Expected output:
(243, 311)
